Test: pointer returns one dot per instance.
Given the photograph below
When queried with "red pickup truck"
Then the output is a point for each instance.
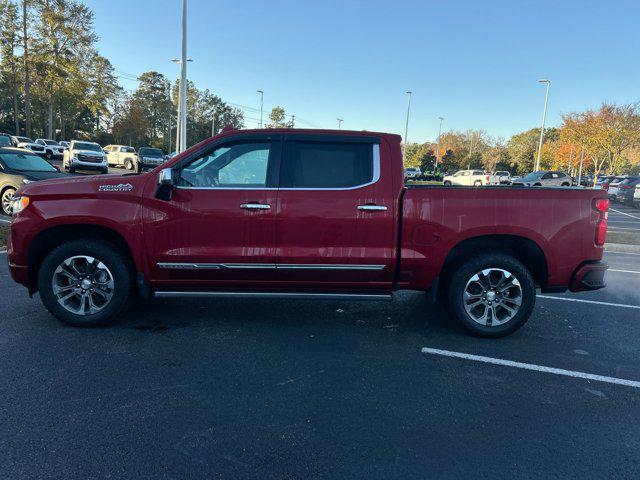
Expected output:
(302, 214)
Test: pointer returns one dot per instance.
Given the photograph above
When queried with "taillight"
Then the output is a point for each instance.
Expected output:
(487, 178)
(601, 205)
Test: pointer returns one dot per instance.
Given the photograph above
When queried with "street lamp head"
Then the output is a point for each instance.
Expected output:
(441, 118)
(409, 92)
(260, 92)
(544, 80)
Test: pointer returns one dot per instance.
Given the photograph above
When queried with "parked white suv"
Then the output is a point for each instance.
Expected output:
(472, 178)
(545, 179)
(51, 148)
(85, 156)
(412, 172)
(121, 156)
(27, 143)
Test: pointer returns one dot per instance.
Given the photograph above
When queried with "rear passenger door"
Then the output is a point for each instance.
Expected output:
(335, 222)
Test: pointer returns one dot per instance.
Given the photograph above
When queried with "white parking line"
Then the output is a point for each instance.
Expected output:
(613, 229)
(3, 220)
(622, 271)
(620, 253)
(531, 366)
(623, 213)
(607, 304)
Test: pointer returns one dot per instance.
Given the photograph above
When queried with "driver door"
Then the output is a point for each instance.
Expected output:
(218, 229)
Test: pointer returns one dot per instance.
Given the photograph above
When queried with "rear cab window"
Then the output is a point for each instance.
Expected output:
(326, 165)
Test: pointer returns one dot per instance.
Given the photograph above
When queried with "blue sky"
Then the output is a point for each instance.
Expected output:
(476, 63)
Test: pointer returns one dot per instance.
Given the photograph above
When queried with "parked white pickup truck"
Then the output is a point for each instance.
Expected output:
(471, 178)
(121, 156)
(85, 156)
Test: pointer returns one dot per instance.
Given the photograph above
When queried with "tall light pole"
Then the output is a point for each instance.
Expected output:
(544, 119)
(339, 123)
(406, 125)
(261, 105)
(170, 103)
(183, 83)
(438, 144)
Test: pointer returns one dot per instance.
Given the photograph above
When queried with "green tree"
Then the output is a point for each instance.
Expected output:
(10, 64)
(278, 119)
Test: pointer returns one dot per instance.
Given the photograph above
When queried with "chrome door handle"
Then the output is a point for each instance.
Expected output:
(255, 206)
(372, 208)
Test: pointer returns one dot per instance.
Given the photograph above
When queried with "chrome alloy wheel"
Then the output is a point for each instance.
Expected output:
(7, 199)
(492, 297)
(83, 285)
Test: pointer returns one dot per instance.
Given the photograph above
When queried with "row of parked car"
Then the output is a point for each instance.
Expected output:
(623, 189)
(23, 160)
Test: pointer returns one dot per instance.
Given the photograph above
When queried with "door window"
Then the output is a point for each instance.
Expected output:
(241, 165)
(329, 165)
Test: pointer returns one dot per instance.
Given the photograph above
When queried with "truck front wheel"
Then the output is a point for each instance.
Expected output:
(85, 283)
(491, 295)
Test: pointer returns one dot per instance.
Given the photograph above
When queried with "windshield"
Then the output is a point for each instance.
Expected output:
(26, 162)
(533, 176)
(94, 147)
(4, 141)
(51, 142)
(150, 152)
(24, 140)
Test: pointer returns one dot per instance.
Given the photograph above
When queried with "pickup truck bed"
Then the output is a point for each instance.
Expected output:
(300, 213)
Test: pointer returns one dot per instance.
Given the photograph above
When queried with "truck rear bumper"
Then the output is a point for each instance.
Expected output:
(589, 276)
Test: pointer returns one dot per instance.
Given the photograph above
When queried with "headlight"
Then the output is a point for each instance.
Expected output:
(26, 182)
(19, 204)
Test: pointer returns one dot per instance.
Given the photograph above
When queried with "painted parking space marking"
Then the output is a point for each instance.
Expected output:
(576, 300)
(615, 252)
(4, 220)
(623, 213)
(623, 271)
(531, 366)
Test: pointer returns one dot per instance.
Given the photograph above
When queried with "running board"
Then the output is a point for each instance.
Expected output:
(384, 297)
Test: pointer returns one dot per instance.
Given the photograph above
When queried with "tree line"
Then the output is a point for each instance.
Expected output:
(55, 84)
(608, 137)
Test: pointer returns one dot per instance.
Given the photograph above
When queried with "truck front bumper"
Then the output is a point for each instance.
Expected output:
(589, 276)
(75, 163)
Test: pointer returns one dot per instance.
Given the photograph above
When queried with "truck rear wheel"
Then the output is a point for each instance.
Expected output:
(85, 283)
(491, 295)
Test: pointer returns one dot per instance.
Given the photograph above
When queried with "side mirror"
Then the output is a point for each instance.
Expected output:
(165, 177)
(165, 185)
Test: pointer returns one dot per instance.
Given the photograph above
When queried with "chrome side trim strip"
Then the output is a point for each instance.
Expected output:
(267, 266)
(278, 295)
(216, 266)
(295, 266)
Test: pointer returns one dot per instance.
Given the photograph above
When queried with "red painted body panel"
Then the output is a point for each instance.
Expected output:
(411, 239)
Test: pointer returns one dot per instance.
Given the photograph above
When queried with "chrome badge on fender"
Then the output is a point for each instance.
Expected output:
(120, 187)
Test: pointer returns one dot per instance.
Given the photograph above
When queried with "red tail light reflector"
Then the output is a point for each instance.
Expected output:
(601, 205)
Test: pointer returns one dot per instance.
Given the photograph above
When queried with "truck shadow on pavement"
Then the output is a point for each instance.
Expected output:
(408, 312)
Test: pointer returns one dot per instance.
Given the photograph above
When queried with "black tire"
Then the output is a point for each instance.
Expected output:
(447, 183)
(537, 185)
(49, 155)
(110, 256)
(477, 183)
(463, 274)
(104, 171)
(128, 164)
(7, 195)
(72, 170)
(565, 185)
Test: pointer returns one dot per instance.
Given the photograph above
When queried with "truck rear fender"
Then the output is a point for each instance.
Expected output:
(524, 249)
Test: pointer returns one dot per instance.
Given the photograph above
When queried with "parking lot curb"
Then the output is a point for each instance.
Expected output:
(621, 248)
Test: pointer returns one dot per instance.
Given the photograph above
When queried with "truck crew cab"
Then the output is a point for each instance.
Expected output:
(301, 214)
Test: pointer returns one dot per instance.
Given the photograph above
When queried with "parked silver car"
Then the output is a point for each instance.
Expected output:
(545, 178)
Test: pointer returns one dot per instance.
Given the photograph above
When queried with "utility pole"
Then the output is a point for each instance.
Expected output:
(544, 118)
(339, 123)
(570, 159)
(406, 125)
(438, 145)
(213, 124)
(580, 169)
(183, 82)
(261, 105)
(170, 105)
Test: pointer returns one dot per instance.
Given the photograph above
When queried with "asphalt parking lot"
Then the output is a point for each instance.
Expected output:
(302, 389)
(623, 218)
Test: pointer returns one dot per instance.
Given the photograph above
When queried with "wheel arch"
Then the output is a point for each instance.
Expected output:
(522, 248)
(51, 238)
